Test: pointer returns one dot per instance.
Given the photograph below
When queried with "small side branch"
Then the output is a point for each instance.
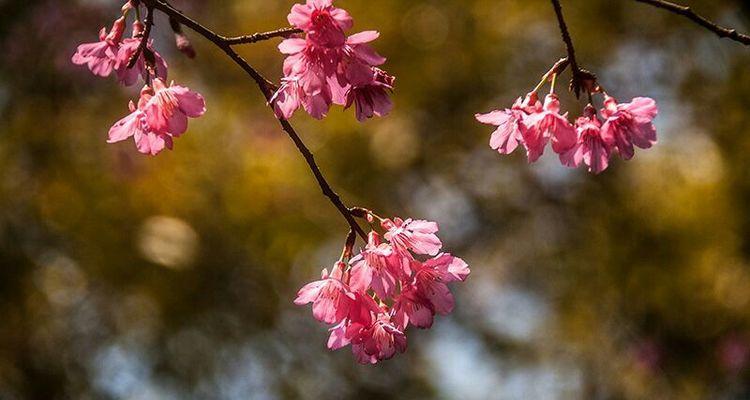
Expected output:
(257, 37)
(687, 12)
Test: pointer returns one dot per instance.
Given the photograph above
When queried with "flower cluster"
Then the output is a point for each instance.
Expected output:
(326, 67)
(162, 111)
(390, 285)
(591, 140)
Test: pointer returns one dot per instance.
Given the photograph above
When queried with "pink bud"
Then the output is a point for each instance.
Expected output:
(589, 111)
(138, 28)
(127, 7)
(118, 28)
(184, 45)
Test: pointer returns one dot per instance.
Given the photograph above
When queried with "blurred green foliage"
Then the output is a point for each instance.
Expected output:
(130, 277)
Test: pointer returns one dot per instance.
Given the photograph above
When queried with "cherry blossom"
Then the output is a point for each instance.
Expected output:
(376, 266)
(546, 125)
(324, 24)
(370, 95)
(590, 141)
(326, 67)
(392, 284)
(379, 341)
(629, 124)
(135, 125)
(168, 109)
(590, 149)
(431, 279)
(415, 235)
(102, 57)
(160, 116)
(510, 123)
(330, 296)
(411, 307)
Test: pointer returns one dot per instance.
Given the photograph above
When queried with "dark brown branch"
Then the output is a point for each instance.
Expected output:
(267, 88)
(687, 12)
(575, 83)
(257, 37)
(148, 22)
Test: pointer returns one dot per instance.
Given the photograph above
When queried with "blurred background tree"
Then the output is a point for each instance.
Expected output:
(130, 277)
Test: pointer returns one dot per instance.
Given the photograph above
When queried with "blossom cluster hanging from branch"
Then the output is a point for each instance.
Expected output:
(400, 276)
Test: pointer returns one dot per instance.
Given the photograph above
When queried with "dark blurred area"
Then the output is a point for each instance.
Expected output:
(130, 277)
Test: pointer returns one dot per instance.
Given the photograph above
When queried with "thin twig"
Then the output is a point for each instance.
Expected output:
(257, 37)
(148, 22)
(575, 83)
(266, 87)
(687, 12)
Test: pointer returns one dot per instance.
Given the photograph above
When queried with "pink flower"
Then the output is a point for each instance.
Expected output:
(510, 123)
(305, 81)
(411, 307)
(362, 312)
(304, 55)
(415, 235)
(135, 125)
(129, 76)
(369, 93)
(376, 267)
(433, 275)
(325, 67)
(545, 125)
(331, 297)
(629, 124)
(323, 23)
(160, 116)
(380, 341)
(288, 98)
(591, 149)
(170, 106)
(510, 128)
(386, 290)
(101, 57)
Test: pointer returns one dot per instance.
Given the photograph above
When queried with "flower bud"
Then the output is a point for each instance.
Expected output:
(184, 45)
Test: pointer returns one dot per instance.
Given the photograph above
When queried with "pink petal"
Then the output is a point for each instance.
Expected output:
(642, 108)
(361, 275)
(451, 268)
(309, 292)
(338, 338)
(191, 103)
(363, 37)
(300, 16)
(292, 46)
(343, 19)
(440, 296)
(126, 127)
(497, 117)
(178, 123)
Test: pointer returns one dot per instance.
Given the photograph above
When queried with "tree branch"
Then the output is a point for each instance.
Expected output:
(267, 88)
(576, 82)
(687, 12)
(257, 37)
